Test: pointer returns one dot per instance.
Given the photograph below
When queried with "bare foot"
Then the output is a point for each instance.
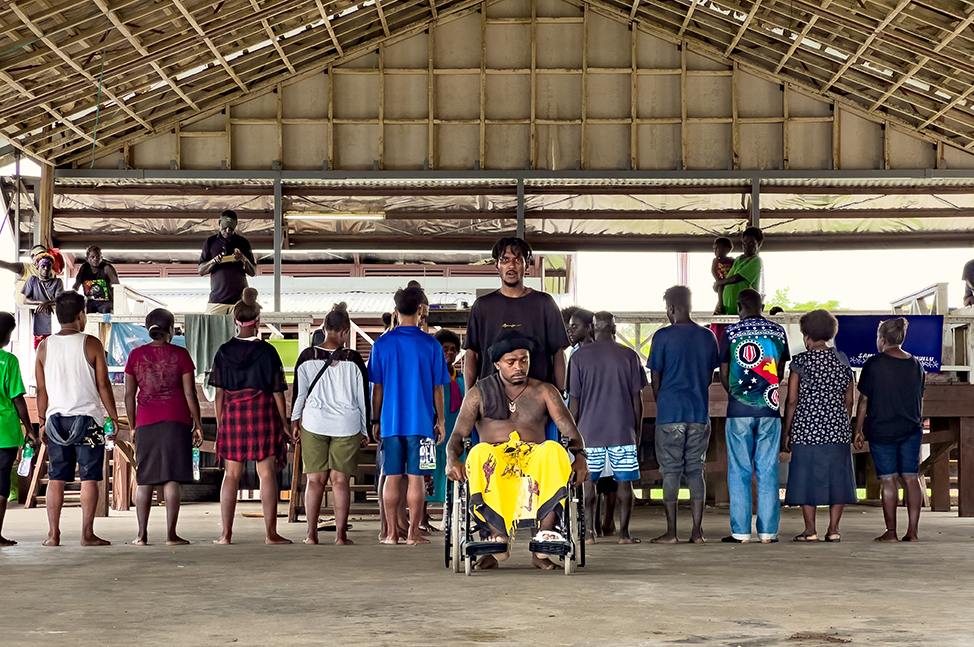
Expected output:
(177, 541)
(224, 540)
(542, 562)
(276, 540)
(344, 541)
(590, 541)
(7, 542)
(486, 563)
(141, 541)
(501, 539)
(311, 540)
(416, 540)
(52, 540)
(664, 539)
(390, 541)
(698, 539)
(608, 531)
(889, 535)
(628, 539)
(95, 540)
(910, 537)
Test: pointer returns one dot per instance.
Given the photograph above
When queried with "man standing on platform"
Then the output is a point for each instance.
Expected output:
(72, 387)
(96, 276)
(753, 353)
(516, 306)
(607, 380)
(228, 260)
(682, 362)
(968, 276)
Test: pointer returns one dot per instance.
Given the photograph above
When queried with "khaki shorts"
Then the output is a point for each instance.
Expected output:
(322, 453)
(219, 308)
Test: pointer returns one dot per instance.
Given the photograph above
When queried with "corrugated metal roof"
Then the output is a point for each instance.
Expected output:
(361, 303)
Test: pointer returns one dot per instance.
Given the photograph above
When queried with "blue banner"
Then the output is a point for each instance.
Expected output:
(924, 338)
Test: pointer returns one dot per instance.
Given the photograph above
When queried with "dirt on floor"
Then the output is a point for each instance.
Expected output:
(857, 592)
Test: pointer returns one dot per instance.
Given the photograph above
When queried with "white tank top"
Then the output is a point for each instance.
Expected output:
(70, 378)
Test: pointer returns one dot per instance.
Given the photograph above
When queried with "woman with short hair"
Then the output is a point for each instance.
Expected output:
(164, 411)
(890, 417)
(817, 431)
(251, 414)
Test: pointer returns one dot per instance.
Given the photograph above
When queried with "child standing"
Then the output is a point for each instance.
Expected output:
(889, 417)
(721, 266)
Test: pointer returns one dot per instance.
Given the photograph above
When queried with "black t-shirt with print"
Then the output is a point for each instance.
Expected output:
(535, 315)
(228, 279)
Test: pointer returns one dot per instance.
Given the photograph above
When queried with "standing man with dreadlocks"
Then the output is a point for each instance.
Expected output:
(516, 306)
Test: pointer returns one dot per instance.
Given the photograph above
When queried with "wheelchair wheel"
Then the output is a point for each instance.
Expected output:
(575, 537)
(458, 531)
(448, 521)
(581, 526)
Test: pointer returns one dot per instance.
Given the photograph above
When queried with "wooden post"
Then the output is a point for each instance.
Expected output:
(940, 471)
(46, 205)
(965, 468)
(717, 491)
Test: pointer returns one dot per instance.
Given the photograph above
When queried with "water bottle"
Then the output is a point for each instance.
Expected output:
(25, 460)
(109, 435)
(196, 464)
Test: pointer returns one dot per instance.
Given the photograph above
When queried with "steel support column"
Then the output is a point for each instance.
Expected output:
(278, 240)
(520, 207)
(755, 202)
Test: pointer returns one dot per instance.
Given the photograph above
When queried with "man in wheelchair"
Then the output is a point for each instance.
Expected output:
(516, 478)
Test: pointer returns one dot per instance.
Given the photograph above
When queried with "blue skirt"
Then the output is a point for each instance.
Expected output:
(821, 475)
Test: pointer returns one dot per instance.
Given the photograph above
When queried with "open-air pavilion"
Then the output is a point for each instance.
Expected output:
(364, 144)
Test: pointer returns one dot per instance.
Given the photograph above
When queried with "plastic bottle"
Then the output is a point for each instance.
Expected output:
(109, 435)
(196, 464)
(25, 460)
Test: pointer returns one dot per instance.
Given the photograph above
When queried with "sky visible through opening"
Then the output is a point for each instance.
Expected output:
(859, 280)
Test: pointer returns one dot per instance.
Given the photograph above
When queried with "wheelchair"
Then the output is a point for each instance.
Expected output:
(463, 547)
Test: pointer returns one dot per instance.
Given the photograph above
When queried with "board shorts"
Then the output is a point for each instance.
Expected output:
(620, 462)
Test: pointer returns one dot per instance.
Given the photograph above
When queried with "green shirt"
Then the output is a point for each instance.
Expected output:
(12, 385)
(748, 267)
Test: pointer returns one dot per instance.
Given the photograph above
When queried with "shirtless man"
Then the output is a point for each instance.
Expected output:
(510, 411)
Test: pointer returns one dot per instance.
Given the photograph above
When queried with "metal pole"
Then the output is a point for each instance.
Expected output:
(520, 207)
(755, 202)
(17, 202)
(278, 241)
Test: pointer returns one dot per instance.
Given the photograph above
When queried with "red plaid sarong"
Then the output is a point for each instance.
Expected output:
(250, 428)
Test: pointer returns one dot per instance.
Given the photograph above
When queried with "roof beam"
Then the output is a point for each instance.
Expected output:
(744, 26)
(6, 78)
(75, 66)
(686, 21)
(865, 45)
(800, 38)
(331, 31)
(273, 37)
(382, 17)
(964, 24)
(209, 43)
(122, 29)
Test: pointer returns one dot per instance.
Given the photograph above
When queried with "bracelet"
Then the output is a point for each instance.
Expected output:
(580, 452)
(376, 421)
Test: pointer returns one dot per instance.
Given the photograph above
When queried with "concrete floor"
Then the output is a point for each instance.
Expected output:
(856, 592)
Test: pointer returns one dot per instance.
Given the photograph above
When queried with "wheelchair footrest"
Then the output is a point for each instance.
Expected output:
(477, 548)
(561, 548)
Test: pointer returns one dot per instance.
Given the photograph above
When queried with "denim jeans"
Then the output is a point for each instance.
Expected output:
(681, 450)
(753, 445)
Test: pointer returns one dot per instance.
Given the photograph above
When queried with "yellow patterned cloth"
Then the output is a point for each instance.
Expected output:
(516, 482)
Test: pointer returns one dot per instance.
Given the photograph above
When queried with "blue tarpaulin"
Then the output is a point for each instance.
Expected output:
(924, 338)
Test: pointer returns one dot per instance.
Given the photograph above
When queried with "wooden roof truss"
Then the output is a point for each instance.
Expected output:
(138, 67)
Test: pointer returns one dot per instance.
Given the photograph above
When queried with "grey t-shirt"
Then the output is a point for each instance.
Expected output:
(604, 377)
(37, 290)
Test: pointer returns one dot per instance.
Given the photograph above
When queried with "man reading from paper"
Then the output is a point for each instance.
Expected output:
(516, 477)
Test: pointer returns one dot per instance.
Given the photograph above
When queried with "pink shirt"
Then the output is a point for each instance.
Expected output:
(159, 371)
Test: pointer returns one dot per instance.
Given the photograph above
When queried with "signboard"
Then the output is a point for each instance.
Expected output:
(924, 338)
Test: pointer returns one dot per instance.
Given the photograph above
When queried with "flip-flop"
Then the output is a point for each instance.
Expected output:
(549, 535)
(806, 538)
(731, 539)
(837, 539)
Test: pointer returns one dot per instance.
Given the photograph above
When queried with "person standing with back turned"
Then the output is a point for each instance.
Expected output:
(408, 371)
(682, 360)
(72, 387)
(753, 353)
(533, 314)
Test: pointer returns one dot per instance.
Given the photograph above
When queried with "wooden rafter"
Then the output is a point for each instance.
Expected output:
(270, 34)
(331, 31)
(865, 45)
(744, 26)
(75, 66)
(101, 4)
(800, 38)
(382, 17)
(686, 21)
(209, 43)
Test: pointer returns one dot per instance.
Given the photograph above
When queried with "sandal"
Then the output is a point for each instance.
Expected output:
(830, 535)
(807, 537)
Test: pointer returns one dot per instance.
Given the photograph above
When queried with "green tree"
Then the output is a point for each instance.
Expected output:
(782, 300)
